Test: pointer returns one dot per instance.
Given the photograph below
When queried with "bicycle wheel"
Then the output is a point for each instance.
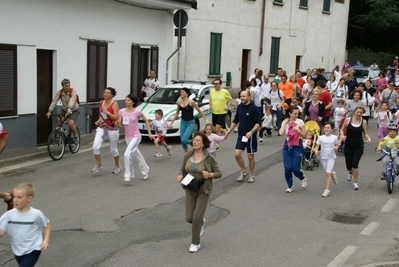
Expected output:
(56, 145)
(74, 148)
(389, 182)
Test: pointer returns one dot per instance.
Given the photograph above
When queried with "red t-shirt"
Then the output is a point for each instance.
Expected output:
(325, 97)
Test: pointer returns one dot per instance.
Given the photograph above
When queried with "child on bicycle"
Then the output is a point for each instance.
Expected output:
(389, 142)
(160, 129)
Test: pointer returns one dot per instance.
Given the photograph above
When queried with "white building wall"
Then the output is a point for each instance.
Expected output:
(318, 37)
(59, 25)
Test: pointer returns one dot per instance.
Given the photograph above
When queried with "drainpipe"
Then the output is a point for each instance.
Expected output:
(262, 28)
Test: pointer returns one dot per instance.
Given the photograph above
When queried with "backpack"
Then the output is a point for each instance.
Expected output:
(70, 94)
(278, 91)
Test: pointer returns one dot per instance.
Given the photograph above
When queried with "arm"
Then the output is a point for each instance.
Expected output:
(229, 103)
(252, 95)
(365, 134)
(147, 124)
(175, 116)
(3, 143)
(53, 103)
(215, 172)
(194, 104)
(343, 128)
(316, 150)
(282, 128)
(46, 239)
(182, 172)
(115, 108)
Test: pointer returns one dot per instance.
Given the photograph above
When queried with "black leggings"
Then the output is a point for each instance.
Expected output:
(352, 156)
(28, 260)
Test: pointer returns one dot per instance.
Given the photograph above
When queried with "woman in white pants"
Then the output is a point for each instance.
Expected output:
(107, 129)
(129, 117)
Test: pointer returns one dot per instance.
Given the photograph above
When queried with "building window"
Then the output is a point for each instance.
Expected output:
(277, 1)
(303, 3)
(97, 54)
(215, 57)
(8, 80)
(143, 60)
(340, 1)
(274, 54)
(326, 6)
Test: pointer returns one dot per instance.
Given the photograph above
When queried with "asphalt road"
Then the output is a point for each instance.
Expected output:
(100, 220)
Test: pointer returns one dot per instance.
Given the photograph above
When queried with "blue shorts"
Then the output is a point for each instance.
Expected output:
(251, 145)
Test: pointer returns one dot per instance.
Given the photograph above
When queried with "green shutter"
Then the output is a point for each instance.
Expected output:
(215, 56)
(326, 5)
(274, 54)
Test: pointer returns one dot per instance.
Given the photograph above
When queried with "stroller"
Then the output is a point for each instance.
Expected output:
(310, 158)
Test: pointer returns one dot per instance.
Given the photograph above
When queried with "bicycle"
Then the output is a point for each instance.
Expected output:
(390, 172)
(61, 137)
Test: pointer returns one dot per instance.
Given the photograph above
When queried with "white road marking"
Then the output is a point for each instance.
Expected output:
(370, 228)
(343, 256)
(390, 204)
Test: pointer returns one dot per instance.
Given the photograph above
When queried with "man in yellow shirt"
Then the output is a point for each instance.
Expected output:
(219, 102)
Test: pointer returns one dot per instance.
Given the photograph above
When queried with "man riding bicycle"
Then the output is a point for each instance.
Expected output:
(70, 106)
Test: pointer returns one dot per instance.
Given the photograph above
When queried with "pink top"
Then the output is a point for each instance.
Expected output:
(131, 129)
(293, 136)
(213, 138)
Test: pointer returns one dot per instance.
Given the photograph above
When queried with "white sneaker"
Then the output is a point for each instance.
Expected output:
(235, 130)
(158, 154)
(97, 167)
(290, 190)
(260, 140)
(127, 179)
(326, 193)
(304, 182)
(117, 169)
(168, 149)
(145, 176)
(349, 177)
(203, 227)
(334, 177)
(242, 176)
(194, 248)
(251, 179)
(355, 186)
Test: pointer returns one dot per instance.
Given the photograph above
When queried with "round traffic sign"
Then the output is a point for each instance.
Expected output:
(184, 18)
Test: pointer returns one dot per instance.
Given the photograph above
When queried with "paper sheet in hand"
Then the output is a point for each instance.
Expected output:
(187, 179)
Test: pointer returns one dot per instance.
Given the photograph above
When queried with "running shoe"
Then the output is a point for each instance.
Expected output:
(168, 149)
(117, 169)
(304, 182)
(251, 179)
(260, 140)
(326, 193)
(382, 177)
(145, 176)
(349, 177)
(194, 248)
(97, 167)
(290, 189)
(76, 140)
(127, 179)
(242, 176)
(334, 177)
(355, 186)
(157, 155)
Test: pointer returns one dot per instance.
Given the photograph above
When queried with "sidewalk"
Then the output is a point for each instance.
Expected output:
(15, 156)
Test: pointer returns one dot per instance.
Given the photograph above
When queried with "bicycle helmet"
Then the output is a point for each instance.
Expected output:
(393, 126)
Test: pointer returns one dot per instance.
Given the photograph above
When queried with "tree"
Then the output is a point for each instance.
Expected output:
(373, 24)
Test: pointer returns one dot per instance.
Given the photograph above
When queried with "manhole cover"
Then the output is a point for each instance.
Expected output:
(347, 218)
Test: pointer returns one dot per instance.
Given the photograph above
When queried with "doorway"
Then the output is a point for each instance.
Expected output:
(44, 89)
(298, 63)
(244, 68)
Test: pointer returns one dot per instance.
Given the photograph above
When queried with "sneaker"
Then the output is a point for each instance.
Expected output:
(127, 179)
(304, 182)
(242, 176)
(117, 169)
(260, 140)
(235, 130)
(10, 202)
(97, 167)
(168, 149)
(217, 147)
(334, 177)
(145, 176)
(382, 176)
(203, 227)
(194, 248)
(290, 189)
(251, 179)
(76, 140)
(158, 154)
(326, 193)
(349, 177)
(355, 186)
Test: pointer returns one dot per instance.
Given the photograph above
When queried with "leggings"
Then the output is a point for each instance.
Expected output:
(186, 129)
(113, 137)
(28, 260)
(133, 150)
(352, 156)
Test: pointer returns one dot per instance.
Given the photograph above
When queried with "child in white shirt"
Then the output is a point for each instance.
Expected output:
(160, 130)
(339, 114)
(267, 124)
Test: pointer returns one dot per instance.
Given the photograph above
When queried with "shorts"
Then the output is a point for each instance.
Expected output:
(73, 116)
(251, 145)
(219, 119)
(382, 132)
(161, 138)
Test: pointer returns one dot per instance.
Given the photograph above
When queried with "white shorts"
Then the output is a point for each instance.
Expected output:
(328, 164)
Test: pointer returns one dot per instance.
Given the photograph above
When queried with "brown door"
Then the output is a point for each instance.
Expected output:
(44, 94)
(298, 63)
(244, 68)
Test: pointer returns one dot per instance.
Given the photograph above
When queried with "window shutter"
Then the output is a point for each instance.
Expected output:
(135, 85)
(8, 80)
(215, 56)
(274, 54)
(97, 54)
(154, 58)
(326, 5)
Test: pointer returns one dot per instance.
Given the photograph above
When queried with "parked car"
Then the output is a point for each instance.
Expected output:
(362, 74)
(166, 97)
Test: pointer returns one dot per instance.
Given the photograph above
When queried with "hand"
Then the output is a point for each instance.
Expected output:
(48, 114)
(248, 134)
(319, 118)
(44, 245)
(206, 175)
(179, 178)
(170, 125)
(369, 141)
(97, 123)
(151, 136)
(317, 152)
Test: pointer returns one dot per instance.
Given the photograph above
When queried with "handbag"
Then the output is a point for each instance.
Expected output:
(194, 185)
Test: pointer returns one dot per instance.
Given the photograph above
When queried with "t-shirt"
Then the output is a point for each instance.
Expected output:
(256, 91)
(275, 97)
(24, 230)
(390, 142)
(390, 97)
(160, 126)
(327, 144)
(299, 122)
(325, 97)
(219, 100)
(131, 123)
(339, 113)
(287, 88)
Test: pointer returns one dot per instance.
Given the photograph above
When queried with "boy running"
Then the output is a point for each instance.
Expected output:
(160, 129)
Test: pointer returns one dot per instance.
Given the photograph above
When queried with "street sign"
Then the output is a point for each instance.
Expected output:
(181, 16)
(182, 32)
